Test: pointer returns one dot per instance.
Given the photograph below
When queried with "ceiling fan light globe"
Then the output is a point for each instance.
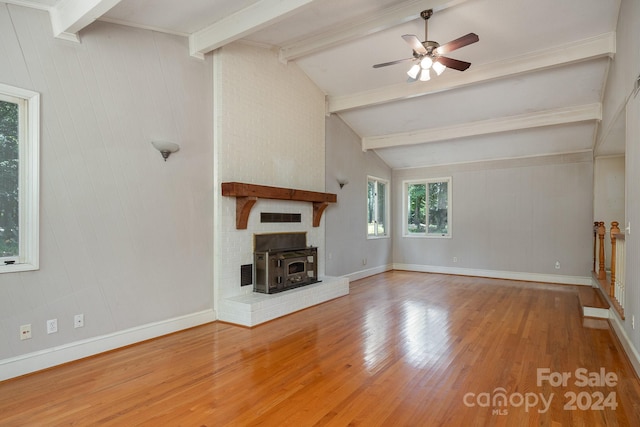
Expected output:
(425, 75)
(438, 67)
(426, 63)
(413, 71)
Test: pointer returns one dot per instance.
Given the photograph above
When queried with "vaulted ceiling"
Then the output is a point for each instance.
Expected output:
(534, 88)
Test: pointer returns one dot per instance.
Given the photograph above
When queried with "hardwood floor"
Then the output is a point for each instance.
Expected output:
(403, 349)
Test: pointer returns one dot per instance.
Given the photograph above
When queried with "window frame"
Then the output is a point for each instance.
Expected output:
(28, 179)
(386, 223)
(405, 208)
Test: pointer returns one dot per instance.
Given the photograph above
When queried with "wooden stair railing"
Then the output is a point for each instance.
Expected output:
(614, 287)
(614, 231)
(602, 274)
(595, 244)
(618, 260)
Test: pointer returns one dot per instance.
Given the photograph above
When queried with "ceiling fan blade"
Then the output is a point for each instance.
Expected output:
(415, 43)
(384, 64)
(454, 63)
(457, 44)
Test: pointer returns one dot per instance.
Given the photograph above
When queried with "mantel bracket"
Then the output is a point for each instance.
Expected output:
(243, 209)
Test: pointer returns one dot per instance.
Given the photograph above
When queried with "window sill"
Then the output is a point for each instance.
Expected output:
(427, 236)
(16, 268)
(378, 237)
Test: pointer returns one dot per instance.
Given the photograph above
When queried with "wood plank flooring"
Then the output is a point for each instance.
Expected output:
(403, 349)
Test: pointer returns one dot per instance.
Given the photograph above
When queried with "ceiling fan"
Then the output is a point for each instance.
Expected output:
(428, 54)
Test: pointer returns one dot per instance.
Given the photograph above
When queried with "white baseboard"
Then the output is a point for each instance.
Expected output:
(496, 274)
(43, 359)
(627, 344)
(616, 323)
(368, 272)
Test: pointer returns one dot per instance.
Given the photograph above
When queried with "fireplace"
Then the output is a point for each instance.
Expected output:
(282, 261)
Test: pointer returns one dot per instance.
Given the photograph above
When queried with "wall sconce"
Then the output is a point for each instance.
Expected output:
(165, 148)
(342, 182)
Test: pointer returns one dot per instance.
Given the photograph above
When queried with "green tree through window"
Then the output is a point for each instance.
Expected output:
(428, 209)
(19, 179)
(9, 167)
(376, 207)
(438, 207)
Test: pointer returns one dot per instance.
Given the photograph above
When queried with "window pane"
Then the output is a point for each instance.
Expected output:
(438, 206)
(371, 208)
(382, 196)
(9, 167)
(416, 215)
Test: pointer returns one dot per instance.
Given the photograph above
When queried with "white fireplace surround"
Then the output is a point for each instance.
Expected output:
(242, 306)
(255, 308)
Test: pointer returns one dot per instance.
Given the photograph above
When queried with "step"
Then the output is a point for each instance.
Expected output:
(595, 323)
(592, 303)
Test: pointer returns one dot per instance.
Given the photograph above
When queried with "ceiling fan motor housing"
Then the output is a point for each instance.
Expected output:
(430, 46)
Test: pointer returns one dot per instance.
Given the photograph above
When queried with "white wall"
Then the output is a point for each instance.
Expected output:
(608, 202)
(125, 237)
(346, 229)
(510, 218)
(619, 97)
(269, 130)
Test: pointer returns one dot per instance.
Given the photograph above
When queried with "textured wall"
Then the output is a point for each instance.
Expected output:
(627, 64)
(125, 237)
(608, 196)
(518, 215)
(346, 229)
(268, 130)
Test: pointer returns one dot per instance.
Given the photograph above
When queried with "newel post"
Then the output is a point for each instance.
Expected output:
(602, 274)
(614, 230)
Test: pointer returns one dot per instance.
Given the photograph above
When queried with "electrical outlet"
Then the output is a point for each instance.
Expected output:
(52, 326)
(364, 261)
(78, 321)
(557, 265)
(25, 332)
(633, 321)
(455, 259)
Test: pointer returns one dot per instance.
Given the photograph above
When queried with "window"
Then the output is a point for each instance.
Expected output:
(377, 207)
(19, 143)
(428, 208)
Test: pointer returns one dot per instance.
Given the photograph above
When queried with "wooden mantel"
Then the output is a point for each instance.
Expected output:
(247, 194)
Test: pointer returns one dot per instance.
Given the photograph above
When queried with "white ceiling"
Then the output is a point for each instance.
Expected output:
(534, 88)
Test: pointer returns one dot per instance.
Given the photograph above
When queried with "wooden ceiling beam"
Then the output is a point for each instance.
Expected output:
(242, 23)
(387, 18)
(600, 46)
(558, 116)
(68, 17)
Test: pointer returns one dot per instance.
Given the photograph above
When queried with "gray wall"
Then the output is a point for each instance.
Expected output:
(619, 97)
(518, 215)
(346, 221)
(608, 196)
(125, 237)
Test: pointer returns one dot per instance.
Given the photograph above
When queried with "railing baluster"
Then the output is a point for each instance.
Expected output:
(595, 245)
(614, 231)
(602, 274)
(620, 272)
